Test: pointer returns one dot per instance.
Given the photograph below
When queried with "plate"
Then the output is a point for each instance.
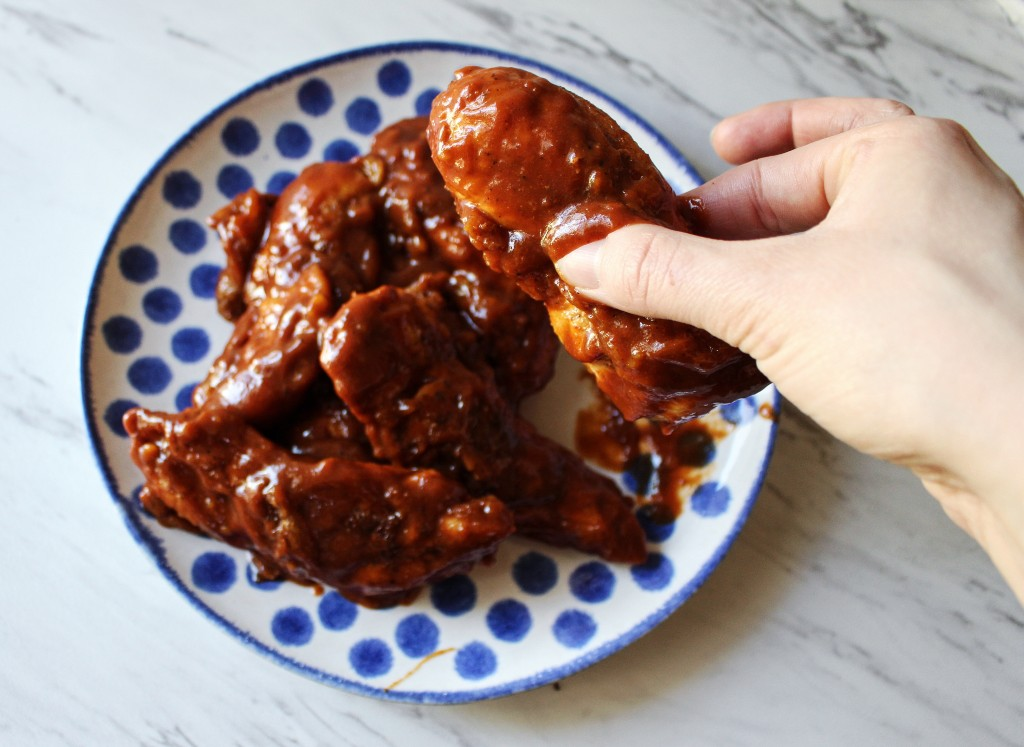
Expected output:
(538, 614)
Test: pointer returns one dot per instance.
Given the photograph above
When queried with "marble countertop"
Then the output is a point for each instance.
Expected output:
(849, 611)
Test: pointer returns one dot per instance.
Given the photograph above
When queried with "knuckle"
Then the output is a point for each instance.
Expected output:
(930, 130)
(636, 270)
(869, 112)
(645, 272)
(855, 114)
(894, 108)
(921, 135)
(949, 131)
(937, 128)
(764, 214)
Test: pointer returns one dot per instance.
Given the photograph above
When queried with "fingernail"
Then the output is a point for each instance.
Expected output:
(579, 267)
(720, 132)
(717, 132)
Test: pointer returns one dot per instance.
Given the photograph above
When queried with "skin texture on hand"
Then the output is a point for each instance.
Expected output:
(872, 263)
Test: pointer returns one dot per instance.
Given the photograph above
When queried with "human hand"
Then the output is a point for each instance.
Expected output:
(872, 263)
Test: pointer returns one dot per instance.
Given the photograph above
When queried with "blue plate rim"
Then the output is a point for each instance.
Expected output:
(154, 545)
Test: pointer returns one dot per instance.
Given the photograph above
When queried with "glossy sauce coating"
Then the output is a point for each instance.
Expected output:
(270, 361)
(496, 327)
(536, 172)
(326, 217)
(374, 532)
(241, 226)
(424, 439)
(664, 467)
(395, 363)
(425, 239)
(422, 230)
(322, 426)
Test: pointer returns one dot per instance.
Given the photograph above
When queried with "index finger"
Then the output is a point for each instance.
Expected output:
(781, 126)
(786, 188)
(772, 196)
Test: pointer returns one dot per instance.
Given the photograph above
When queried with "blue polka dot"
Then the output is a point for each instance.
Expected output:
(341, 151)
(592, 582)
(336, 612)
(424, 100)
(454, 596)
(739, 411)
(114, 414)
(417, 635)
(292, 626)
(138, 264)
(183, 399)
(315, 97)
(475, 661)
(394, 78)
(278, 181)
(254, 582)
(187, 236)
(637, 475)
(535, 573)
(122, 334)
(509, 620)
(653, 574)
(162, 305)
(695, 447)
(370, 657)
(711, 499)
(240, 137)
(574, 628)
(292, 140)
(182, 190)
(233, 179)
(149, 375)
(363, 115)
(656, 531)
(214, 572)
(203, 280)
(190, 344)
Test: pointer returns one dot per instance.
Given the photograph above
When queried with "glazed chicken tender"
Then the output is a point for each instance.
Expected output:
(536, 172)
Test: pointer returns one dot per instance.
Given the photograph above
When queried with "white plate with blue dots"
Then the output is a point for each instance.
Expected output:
(538, 614)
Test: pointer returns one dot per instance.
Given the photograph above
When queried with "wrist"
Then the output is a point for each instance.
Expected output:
(981, 518)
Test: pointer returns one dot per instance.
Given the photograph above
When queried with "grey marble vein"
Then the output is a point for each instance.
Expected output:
(845, 40)
(52, 29)
(74, 99)
(542, 31)
(597, 48)
(202, 44)
(25, 397)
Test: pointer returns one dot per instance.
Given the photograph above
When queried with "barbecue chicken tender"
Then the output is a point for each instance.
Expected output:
(271, 359)
(241, 226)
(327, 216)
(536, 172)
(322, 426)
(374, 532)
(395, 362)
(422, 230)
(424, 236)
(359, 428)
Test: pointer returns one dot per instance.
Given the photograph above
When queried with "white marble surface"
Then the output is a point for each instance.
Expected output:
(850, 611)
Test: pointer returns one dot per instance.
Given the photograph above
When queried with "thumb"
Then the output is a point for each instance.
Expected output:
(728, 288)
